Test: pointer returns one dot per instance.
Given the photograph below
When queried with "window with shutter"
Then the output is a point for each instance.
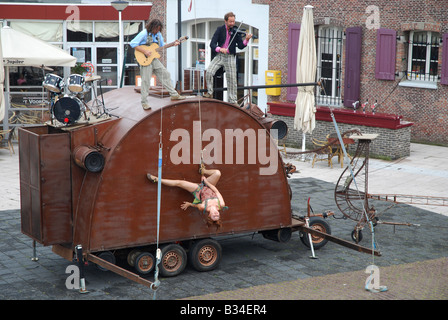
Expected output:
(423, 56)
(386, 45)
(329, 65)
(293, 45)
(352, 81)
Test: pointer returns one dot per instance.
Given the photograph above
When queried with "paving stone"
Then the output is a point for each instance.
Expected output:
(250, 262)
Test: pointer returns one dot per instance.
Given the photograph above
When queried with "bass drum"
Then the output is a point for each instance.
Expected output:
(53, 83)
(67, 110)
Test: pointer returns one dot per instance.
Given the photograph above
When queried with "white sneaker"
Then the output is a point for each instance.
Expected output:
(178, 97)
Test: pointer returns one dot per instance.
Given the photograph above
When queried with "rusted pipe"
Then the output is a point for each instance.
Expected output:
(279, 125)
(88, 158)
(268, 123)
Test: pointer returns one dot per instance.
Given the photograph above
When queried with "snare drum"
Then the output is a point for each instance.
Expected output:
(53, 82)
(68, 110)
(75, 83)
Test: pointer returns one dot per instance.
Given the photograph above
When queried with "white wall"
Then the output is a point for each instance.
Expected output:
(255, 15)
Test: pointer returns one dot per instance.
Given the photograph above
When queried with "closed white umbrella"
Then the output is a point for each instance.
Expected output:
(305, 119)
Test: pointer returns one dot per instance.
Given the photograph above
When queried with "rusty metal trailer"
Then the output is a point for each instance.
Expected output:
(84, 184)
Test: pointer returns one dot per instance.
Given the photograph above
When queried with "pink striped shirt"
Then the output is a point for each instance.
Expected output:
(226, 43)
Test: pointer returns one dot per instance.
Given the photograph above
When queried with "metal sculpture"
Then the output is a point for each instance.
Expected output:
(352, 195)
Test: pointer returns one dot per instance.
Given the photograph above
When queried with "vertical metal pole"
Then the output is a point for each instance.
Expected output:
(310, 239)
(6, 97)
(34, 258)
(179, 48)
(121, 55)
(303, 145)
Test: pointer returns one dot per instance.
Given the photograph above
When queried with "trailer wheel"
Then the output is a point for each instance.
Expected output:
(174, 260)
(280, 235)
(319, 224)
(144, 263)
(108, 256)
(132, 256)
(205, 255)
(356, 235)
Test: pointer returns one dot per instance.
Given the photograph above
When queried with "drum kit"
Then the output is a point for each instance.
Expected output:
(67, 108)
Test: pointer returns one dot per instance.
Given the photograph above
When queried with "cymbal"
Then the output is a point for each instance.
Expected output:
(92, 78)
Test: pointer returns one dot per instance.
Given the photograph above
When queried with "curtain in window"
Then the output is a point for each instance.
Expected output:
(45, 31)
(77, 26)
(110, 29)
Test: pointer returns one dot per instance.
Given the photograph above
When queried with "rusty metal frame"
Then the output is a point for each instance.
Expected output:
(120, 271)
(297, 225)
(300, 226)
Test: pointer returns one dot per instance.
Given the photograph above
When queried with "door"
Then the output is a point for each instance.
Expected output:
(104, 59)
(107, 65)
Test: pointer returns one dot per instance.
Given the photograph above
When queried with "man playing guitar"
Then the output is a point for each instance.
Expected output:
(152, 34)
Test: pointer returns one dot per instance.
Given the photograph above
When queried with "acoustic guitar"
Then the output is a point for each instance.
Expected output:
(143, 60)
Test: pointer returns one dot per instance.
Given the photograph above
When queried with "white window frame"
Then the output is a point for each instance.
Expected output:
(325, 31)
(429, 44)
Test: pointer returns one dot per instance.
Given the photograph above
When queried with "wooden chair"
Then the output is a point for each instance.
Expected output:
(6, 139)
(322, 149)
(336, 146)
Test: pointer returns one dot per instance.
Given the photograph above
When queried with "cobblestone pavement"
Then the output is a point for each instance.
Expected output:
(413, 264)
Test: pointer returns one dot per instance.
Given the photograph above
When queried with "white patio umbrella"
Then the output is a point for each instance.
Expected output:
(20, 49)
(305, 119)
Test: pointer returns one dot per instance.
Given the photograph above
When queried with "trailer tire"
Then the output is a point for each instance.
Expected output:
(108, 256)
(356, 235)
(205, 255)
(318, 224)
(144, 263)
(132, 256)
(173, 261)
(282, 235)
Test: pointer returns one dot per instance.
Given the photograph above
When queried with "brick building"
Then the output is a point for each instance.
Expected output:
(398, 51)
(402, 47)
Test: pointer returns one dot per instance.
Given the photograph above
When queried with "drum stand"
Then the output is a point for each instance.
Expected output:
(84, 107)
(97, 107)
(52, 102)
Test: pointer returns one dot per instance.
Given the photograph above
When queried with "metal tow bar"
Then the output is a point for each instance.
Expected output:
(339, 241)
(120, 271)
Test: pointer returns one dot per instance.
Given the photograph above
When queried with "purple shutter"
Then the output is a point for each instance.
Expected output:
(293, 45)
(352, 65)
(444, 74)
(386, 46)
